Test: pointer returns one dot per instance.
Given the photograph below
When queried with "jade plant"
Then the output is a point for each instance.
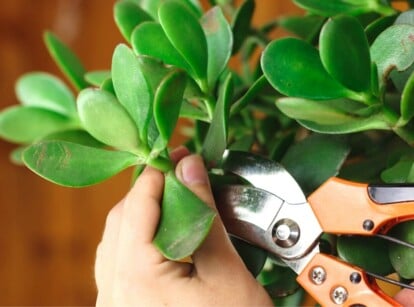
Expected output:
(333, 98)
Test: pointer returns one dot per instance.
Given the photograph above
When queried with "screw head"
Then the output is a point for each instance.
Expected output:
(339, 295)
(368, 225)
(355, 278)
(317, 275)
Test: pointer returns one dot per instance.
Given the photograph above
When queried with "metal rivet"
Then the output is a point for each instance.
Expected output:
(286, 233)
(368, 225)
(355, 278)
(339, 295)
(317, 275)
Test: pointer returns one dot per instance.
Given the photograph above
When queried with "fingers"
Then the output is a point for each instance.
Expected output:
(405, 297)
(217, 246)
(140, 215)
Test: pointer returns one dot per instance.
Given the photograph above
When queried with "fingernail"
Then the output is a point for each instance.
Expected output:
(193, 170)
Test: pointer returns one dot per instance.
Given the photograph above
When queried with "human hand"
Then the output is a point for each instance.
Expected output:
(129, 270)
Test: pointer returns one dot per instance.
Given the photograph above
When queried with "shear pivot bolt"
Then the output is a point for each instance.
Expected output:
(286, 233)
(339, 295)
(318, 275)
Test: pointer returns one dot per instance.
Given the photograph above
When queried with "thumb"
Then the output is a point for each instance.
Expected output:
(217, 247)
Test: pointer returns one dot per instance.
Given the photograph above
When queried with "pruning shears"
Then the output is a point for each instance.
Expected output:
(273, 213)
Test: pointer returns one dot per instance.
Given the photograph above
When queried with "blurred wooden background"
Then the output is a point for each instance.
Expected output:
(49, 233)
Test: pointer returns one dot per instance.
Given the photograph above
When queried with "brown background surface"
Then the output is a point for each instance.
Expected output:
(48, 233)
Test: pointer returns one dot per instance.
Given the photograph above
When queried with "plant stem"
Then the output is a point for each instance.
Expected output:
(163, 164)
(249, 95)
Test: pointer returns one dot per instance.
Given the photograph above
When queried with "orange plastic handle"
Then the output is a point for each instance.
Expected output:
(338, 280)
(342, 207)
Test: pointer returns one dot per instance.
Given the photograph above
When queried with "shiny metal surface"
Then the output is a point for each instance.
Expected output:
(264, 174)
(253, 213)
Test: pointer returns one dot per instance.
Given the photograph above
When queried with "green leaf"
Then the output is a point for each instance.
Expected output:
(348, 7)
(328, 112)
(402, 258)
(306, 27)
(406, 17)
(369, 253)
(67, 61)
(393, 49)
(400, 172)
(194, 47)
(45, 91)
(185, 220)
(26, 124)
(407, 100)
(293, 67)
(74, 136)
(376, 27)
(153, 70)
(167, 105)
(215, 142)
(75, 165)
(128, 14)
(344, 52)
(107, 120)
(16, 156)
(108, 86)
(277, 280)
(131, 87)
(152, 6)
(242, 24)
(219, 42)
(373, 122)
(97, 77)
(149, 39)
(303, 160)
(253, 257)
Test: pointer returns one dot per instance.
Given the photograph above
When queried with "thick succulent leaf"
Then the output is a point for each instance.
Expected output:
(294, 68)
(45, 91)
(303, 160)
(407, 100)
(242, 24)
(368, 253)
(279, 281)
(149, 39)
(373, 122)
(131, 87)
(348, 7)
(253, 257)
(401, 172)
(344, 52)
(107, 120)
(153, 70)
(329, 112)
(108, 86)
(74, 136)
(185, 220)
(376, 27)
(67, 61)
(75, 165)
(194, 47)
(97, 77)
(406, 17)
(305, 27)
(152, 6)
(167, 105)
(215, 142)
(219, 43)
(26, 124)
(128, 14)
(393, 49)
(402, 258)
(16, 156)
